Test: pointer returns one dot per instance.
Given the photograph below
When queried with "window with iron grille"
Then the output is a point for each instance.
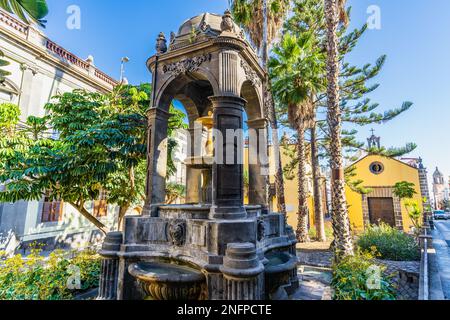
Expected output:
(52, 210)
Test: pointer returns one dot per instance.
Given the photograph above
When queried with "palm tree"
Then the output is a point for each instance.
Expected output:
(262, 20)
(27, 10)
(317, 180)
(296, 70)
(343, 245)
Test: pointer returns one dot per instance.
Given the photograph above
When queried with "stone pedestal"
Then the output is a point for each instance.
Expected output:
(110, 266)
(242, 273)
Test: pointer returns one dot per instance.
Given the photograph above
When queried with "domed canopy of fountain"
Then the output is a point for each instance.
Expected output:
(202, 27)
(165, 272)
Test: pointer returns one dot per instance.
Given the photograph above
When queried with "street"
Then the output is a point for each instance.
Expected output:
(441, 243)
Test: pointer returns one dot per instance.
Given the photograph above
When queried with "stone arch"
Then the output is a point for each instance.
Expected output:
(257, 144)
(176, 82)
(254, 107)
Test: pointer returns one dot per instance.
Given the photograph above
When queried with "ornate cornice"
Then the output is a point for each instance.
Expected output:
(187, 65)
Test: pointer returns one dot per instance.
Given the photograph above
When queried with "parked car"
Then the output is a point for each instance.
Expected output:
(441, 215)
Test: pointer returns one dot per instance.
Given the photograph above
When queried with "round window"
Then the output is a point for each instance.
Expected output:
(376, 168)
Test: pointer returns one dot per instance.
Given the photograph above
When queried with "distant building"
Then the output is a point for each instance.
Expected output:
(41, 69)
(439, 190)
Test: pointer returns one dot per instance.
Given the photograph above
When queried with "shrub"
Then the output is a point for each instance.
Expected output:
(391, 243)
(39, 278)
(352, 276)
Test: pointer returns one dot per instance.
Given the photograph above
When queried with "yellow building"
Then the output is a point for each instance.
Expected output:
(291, 188)
(380, 174)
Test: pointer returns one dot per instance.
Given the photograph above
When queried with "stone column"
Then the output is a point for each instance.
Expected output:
(258, 163)
(156, 160)
(227, 177)
(110, 266)
(26, 96)
(243, 273)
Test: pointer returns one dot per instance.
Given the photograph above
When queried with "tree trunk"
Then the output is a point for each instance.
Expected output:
(90, 217)
(341, 224)
(317, 186)
(269, 107)
(303, 212)
(122, 212)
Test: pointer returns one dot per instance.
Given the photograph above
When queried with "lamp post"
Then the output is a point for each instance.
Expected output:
(122, 67)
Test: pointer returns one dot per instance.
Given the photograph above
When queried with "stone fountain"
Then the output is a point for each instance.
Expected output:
(214, 247)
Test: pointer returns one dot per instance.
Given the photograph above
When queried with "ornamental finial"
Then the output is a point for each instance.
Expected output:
(161, 43)
(227, 24)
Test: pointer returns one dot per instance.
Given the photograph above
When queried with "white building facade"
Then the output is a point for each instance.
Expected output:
(41, 69)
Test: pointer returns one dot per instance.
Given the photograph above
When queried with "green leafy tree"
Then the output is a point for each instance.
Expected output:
(406, 191)
(88, 144)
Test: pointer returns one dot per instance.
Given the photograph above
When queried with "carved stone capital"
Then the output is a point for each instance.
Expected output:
(250, 74)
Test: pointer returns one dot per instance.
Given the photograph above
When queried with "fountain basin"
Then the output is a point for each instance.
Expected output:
(278, 270)
(166, 281)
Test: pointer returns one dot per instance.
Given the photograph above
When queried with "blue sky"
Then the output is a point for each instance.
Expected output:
(415, 35)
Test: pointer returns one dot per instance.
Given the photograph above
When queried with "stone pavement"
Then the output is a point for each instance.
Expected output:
(315, 284)
(441, 241)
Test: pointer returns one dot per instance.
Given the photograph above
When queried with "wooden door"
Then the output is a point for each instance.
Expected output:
(382, 210)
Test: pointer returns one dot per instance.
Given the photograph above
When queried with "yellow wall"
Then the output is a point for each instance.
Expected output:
(394, 171)
(291, 191)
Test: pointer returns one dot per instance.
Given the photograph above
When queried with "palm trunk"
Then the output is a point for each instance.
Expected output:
(90, 217)
(272, 117)
(279, 179)
(317, 185)
(303, 212)
(341, 226)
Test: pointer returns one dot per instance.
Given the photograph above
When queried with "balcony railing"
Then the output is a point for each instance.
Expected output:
(51, 46)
